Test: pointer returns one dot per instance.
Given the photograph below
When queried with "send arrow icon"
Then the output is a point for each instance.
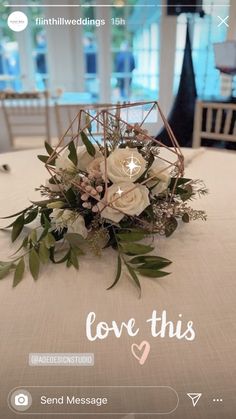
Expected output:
(194, 397)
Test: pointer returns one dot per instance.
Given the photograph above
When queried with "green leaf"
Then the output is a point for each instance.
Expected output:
(149, 212)
(3, 264)
(131, 236)
(34, 264)
(74, 239)
(17, 213)
(170, 226)
(118, 272)
(88, 122)
(134, 277)
(68, 263)
(44, 202)
(45, 222)
(63, 259)
(23, 244)
(73, 153)
(185, 193)
(31, 216)
(49, 240)
(78, 251)
(49, 149)
(135, 248)
(5, 270)
(89, 146)
(151, 273)
(44, 159)
(154, 265)
(19, 272)
(182, 181)
(149, 163)
(179, 182)
(43, 235)
(74, 259)
(186, 218)
(17, 227)
(71, 197)
(149, 259)
(43, 253)
(8, 226)
(33, 236)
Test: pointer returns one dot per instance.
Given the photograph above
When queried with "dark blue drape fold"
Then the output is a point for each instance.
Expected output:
(181, 117)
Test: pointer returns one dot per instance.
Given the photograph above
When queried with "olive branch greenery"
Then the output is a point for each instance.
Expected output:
(39, 247)
(134, 257)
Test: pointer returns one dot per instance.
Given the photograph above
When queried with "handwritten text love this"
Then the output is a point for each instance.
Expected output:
(159, 325)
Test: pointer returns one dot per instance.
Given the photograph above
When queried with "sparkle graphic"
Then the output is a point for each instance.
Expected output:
(131, 166)
(119, 191)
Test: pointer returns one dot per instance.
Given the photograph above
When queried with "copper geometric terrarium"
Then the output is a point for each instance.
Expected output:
(112, 185)
(120, 126)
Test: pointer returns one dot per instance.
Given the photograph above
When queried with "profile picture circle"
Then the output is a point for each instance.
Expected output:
(17, 21)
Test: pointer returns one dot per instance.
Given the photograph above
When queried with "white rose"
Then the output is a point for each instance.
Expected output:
(69, 219)
(161, 179)
(64, 163)
(130, 198)
(84, 158)
(124, 165)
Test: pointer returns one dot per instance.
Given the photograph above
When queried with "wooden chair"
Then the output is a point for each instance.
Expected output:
(214, 121)
(26, 115)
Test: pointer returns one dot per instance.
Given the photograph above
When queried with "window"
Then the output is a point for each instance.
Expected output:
(90, 52)
(135, 52)
(205, 32)
(38, 46)
(9, 53)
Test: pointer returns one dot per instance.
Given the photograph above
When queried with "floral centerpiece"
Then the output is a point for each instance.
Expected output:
(116, 189)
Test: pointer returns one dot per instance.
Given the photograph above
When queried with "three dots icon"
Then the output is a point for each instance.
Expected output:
(217, 400)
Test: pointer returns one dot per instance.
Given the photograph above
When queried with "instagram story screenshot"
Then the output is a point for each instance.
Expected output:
(118, 209)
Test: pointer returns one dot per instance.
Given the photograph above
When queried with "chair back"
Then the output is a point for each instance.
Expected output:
(26, 114)
(214, 121)
(66, 113)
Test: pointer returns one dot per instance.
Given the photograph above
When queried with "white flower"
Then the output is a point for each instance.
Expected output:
(125, 198)
(78, 227)
(64, 163)
(69, 219)
(84, 158)
(161, 179)
(124, 165)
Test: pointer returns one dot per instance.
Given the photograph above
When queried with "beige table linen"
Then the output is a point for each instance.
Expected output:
(49, 315)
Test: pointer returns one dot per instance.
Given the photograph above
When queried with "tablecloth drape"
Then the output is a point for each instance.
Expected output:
(49, 315)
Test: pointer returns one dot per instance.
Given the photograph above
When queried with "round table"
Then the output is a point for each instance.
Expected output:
(50, 315)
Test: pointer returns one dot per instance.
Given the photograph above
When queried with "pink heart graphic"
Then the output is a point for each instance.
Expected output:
(145, 347)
